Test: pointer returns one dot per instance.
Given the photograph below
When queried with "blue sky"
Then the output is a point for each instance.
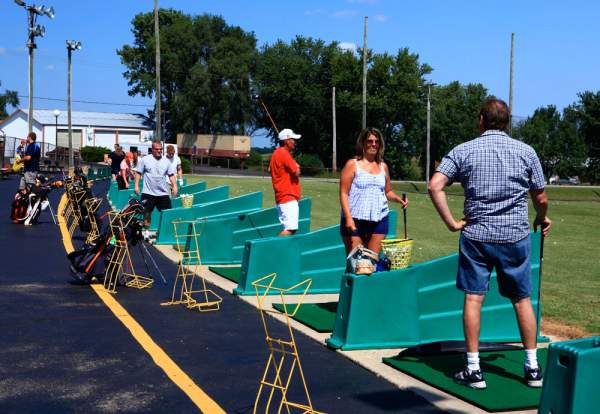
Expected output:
(556, 48)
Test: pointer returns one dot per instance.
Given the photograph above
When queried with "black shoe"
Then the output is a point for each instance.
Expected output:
(533, 377)
(472, 379)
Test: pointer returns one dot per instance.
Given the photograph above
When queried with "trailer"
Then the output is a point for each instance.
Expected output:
(213, 145)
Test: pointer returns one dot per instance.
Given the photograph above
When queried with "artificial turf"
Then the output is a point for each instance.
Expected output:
(318, 316)
(228, 272)
(503, 373)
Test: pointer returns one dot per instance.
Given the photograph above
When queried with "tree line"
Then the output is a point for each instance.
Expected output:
(214, 77)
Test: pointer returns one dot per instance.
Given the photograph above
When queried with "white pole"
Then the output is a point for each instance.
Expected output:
(334, 155)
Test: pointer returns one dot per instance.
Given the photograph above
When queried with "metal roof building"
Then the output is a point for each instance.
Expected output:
(100, 129)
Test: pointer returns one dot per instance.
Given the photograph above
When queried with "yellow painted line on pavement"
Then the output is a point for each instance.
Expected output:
(160, 357)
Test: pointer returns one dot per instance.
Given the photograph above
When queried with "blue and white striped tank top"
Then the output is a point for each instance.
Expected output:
(367, 195)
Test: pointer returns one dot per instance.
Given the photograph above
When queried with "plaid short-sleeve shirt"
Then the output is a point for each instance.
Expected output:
(496, 172)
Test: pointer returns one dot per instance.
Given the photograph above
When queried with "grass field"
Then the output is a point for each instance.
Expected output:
(571, 271)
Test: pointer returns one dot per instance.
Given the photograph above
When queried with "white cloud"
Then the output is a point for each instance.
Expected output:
(313, 12)
(344, 13)
(50, 67)
(380, 18)
(347, 46)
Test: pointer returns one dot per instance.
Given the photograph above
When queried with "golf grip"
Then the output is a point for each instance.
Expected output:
(404, 212)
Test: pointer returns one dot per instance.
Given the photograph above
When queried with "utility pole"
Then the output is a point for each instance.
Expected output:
(428, 161)
(364, 97)
(510, 91)
(71, 45)
(30, 45)
(334, 155)
(158, 106)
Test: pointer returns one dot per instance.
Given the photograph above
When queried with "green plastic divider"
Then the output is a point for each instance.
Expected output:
(318, 255)
(502, 370)
(222, 239)
(420, 304)
(201, 197)
(571, 380)
(236, 205)
(122, 197)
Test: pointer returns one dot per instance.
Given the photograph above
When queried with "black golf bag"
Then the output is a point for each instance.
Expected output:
(91, 260)
(29, 203)
(80, 184)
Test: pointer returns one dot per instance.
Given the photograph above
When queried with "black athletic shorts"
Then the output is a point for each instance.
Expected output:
(151, 201)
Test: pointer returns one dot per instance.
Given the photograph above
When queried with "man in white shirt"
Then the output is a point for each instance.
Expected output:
(155, 192)
(175, 160)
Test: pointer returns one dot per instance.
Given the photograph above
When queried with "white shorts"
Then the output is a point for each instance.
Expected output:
(288, 215)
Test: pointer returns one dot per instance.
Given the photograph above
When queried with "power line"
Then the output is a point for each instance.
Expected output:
(86, 102)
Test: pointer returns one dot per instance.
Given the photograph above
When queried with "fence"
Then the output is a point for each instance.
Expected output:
(52, 157)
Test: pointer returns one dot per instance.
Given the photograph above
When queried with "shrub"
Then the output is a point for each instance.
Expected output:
(255, 158)
(186, 166)
(310, 164)
(93, 154)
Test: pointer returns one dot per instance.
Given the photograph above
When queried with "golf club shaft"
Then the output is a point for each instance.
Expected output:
(154, 263)
(539, 298)
(404, 213)
(269, 115)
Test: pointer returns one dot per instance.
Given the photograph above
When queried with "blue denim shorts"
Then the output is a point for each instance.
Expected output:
(365, 228)
(511, 260)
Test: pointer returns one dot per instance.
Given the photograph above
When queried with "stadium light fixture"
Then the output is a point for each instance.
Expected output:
(34, 30)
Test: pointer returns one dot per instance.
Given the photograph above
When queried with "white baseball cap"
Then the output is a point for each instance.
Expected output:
(288, 133)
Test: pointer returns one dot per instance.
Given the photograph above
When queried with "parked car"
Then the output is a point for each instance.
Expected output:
(569, 181)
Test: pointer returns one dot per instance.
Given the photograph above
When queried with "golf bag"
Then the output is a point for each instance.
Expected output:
(80, 184)
(29, 203)
(91, 260)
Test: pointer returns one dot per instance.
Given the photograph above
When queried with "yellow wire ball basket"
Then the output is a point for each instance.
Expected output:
(187, 200)
(398, 251)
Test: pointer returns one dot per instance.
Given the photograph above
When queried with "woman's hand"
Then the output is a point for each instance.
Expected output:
(350, 224)
(403, 201)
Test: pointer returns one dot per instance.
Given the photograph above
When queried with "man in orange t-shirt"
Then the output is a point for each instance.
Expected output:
(285, 175)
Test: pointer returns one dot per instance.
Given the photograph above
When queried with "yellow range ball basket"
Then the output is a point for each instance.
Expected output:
(187, 200)
(398, 251)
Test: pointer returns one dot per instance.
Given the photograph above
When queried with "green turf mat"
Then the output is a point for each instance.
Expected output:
(502, 370)
(231, 273)
(318, 316)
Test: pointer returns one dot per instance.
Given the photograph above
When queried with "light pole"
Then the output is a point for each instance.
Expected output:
(56, 115)
(33, 30)
(428, 146)
(157, 60)
(71, 45)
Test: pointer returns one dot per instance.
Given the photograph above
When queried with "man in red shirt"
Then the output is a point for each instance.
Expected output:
(285, 175)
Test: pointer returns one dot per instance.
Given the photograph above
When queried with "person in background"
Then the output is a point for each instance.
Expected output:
(30, 161)
(285, 177)
(154, 168)
(365, 189)
(496, 173)
(116, 157)
(176, 161)
(126, 172)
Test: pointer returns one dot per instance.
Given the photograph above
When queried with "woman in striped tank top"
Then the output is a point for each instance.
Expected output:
(365, 190)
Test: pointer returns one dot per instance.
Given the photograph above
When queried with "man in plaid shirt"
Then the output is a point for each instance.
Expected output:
(496, 173)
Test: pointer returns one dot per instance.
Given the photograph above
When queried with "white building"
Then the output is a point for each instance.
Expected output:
(98, 129)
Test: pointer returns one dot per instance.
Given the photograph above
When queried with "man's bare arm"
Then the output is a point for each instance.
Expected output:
(438, 197)
(540, 204)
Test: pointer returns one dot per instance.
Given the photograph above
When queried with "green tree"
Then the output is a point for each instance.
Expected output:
(586, 113)
(295, 81)
(206, 67)
(7, 98)
(555, 139)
